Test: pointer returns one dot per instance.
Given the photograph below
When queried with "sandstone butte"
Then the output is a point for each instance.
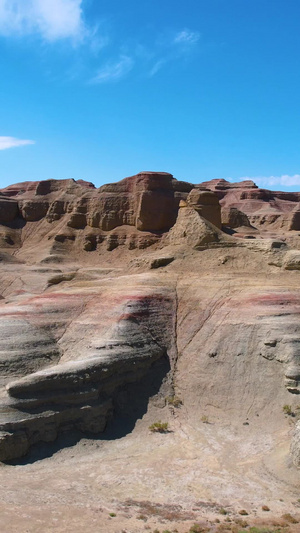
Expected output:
(148, 300)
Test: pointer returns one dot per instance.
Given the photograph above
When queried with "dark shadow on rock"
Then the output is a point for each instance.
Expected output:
(17, 223)
(228, 230)
(43, 450)
(130, 403)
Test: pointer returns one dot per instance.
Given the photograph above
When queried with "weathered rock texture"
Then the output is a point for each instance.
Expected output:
(280, 210)
(295, 446)
(114, 299)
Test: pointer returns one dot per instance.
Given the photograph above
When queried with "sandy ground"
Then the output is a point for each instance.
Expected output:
(145, 481)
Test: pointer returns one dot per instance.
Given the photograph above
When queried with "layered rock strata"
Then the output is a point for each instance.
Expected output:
(114, 296)
(264, 208)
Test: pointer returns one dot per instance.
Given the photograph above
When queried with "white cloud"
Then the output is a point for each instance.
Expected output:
(173, 47)
(12, 142)
(52, 19)
(157, 66)
(114, 71)
(270, 181)
(187, 37)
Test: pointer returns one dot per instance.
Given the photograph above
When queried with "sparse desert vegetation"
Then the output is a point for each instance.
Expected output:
(174, 401)
(159, 427)
(287, 409)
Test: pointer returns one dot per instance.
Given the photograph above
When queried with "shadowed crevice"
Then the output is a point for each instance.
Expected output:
(130, 403)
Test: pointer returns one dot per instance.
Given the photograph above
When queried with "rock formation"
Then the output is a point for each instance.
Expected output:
(115, 299)
(264, 208)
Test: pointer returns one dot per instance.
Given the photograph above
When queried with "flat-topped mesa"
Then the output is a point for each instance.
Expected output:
(135, 211)
(276, 209)
(221, 184)
(73, 216)
(149, 201)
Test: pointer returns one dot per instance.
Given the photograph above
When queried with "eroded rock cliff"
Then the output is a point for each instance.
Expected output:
(114, 299)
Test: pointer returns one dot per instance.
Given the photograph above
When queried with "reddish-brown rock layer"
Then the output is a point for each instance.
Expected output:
(134, 212)
(279, 210)
(148, 201)
(74, 216)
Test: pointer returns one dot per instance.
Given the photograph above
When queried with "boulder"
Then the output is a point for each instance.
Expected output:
(292, 260)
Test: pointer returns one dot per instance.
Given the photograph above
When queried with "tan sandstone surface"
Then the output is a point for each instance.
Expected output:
(150, 300)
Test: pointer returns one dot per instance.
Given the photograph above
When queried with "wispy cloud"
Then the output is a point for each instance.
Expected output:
(157, 66)
(186, 37)
(51, 19)
(57, 20)
(12, 142)
(114, 71)
(174, 47)
(285, 180)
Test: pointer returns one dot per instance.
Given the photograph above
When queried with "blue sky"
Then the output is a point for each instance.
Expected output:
(102, 89)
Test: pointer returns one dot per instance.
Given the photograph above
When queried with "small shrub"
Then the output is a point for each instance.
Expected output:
(289, 518)
(159, 427)
(196, 528)
(241, 523)
(222, 511)
(265, 508)
(226, 527)
(287, 409)
(204, 419)
(255, 529)
(142, 517)
(243, 512)
(175, 401)
(112, 515)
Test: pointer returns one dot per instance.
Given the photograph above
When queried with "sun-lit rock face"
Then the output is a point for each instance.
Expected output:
(133, 212)
(148, 201)
(114, 299)
(264, 208)
(63, 217)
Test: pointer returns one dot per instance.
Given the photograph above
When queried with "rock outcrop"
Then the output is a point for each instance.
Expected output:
(148, 201)
(234, 218)
(264, 208)
(118, 297)
(133, 212)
